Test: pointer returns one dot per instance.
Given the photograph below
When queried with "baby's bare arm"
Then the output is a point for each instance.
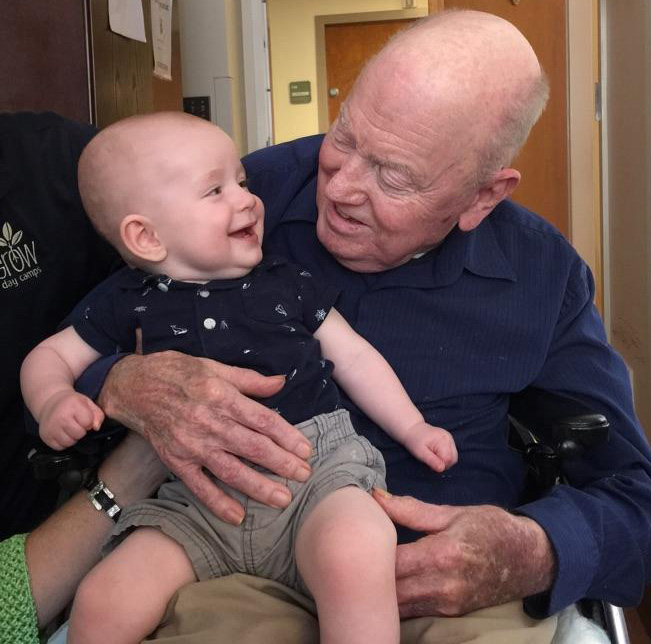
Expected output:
(47, 377)
(373, 385)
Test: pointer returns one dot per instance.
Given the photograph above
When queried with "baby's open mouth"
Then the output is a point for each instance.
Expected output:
(244, 233)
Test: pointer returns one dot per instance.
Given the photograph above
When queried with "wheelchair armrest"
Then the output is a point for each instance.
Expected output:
(548, 429)
(72, 466)
(566, 425)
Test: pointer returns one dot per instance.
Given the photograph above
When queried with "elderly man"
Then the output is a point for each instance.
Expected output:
(470, 298)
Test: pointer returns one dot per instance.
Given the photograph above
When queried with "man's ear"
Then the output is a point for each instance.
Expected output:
(141, 239)
(502, 185)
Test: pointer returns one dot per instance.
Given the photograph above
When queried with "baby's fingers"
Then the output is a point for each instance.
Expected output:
(432, 459)
(70, 436)
(448, 452)
(87, 415)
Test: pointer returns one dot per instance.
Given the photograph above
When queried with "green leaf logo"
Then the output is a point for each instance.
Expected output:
(10, 238)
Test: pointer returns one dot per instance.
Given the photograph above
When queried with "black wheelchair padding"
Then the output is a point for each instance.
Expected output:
(549, 430)
(73, 467)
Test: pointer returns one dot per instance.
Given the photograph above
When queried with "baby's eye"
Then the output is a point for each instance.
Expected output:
(244, 184)
(217, 190)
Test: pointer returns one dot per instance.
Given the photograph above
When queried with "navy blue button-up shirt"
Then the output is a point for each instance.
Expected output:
(263, 321)
(486, 314)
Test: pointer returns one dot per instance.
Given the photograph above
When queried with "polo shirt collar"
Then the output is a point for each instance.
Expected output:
(135, 279)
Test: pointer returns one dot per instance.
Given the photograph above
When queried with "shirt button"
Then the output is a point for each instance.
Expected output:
(204, 293)
(209, 323)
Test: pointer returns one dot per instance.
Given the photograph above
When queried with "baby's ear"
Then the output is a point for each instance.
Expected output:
(139, 235)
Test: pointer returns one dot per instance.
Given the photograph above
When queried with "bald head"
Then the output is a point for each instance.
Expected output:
(473, 74)
(124, 165)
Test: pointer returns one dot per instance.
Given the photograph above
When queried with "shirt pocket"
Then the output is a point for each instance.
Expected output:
(175, 331)
(275, 306)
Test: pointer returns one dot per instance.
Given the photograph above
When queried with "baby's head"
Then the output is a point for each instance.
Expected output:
(169, 192)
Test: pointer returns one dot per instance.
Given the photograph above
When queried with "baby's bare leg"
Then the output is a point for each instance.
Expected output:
(345, 552)
(124, 597)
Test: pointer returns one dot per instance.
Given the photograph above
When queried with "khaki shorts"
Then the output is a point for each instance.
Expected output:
(250, 610)
(263, 545)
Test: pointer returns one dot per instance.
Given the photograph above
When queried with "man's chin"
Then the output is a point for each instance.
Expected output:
(350, 255)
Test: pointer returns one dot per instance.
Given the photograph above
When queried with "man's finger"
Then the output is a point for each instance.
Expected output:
(262, 451)
(254, 484)
(412, 513)
(263, 420)
(217, 501)
(248, 381)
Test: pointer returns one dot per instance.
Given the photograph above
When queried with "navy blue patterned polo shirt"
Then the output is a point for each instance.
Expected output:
(264, 321)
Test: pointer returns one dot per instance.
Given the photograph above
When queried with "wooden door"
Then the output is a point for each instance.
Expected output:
(543, 161)
(348, 46)
(123, 70)
(43, 58)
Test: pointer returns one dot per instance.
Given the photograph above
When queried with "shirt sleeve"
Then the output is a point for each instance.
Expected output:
(99, 322)
(18, 614)
(316, 299)
(600, 528)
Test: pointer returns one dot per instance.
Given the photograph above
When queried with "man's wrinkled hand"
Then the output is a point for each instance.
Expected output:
(197, 415)
(469, 558)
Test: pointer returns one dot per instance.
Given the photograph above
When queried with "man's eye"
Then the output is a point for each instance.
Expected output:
(392, 180)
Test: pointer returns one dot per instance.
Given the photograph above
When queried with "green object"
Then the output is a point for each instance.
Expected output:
(300, 92)
(17, 611)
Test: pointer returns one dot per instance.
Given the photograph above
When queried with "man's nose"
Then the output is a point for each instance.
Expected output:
(347, 184)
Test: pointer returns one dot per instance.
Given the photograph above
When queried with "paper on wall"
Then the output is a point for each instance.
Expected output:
(127, 19)
(161, 37)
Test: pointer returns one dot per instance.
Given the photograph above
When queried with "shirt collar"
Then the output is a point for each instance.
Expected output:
(135, 278)
(476, 251)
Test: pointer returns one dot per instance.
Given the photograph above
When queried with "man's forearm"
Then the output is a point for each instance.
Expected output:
(77, 530)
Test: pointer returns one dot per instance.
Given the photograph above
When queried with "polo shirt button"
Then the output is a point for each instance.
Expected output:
(209, 323)
(204, 293)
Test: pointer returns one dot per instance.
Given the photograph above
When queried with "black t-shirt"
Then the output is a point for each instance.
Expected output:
(50, 257)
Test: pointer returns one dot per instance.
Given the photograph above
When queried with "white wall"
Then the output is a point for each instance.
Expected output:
(211, 59)
(627, 25)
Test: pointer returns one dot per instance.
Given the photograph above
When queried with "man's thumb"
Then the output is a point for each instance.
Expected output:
(412, 513)
(250, 382)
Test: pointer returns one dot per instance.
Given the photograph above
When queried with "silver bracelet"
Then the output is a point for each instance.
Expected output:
(102, 498)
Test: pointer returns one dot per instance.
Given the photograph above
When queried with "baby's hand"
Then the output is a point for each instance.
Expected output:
(432, 445)
(66, 417)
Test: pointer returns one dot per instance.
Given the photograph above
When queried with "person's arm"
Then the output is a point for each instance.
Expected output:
(600, 526)
(589, 540)
(469, 558)
(197, 414)
(64, 548)
(47, 377)
(375, 388)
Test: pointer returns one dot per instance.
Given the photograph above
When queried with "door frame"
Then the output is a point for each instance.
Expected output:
(257, 75)
(320, 23)
(587, 215)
